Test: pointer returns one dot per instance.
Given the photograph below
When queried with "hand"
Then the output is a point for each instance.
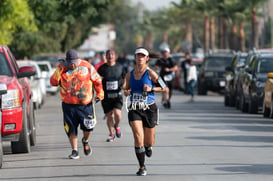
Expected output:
(167, 69)
(127, 92)
(146, 88)
(97, 100)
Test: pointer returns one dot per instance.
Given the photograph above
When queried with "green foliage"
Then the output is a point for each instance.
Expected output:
(62, 24)
(15, 16)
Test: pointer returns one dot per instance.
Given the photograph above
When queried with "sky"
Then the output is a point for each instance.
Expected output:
(155, 4)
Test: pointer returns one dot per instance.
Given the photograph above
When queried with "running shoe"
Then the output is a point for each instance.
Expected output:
(110, 138)
(148, 151)
(142, 172)
(74, 155)
(118, 132)
(86, 148)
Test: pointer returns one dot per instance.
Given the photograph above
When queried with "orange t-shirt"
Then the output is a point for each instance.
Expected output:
(76, 86)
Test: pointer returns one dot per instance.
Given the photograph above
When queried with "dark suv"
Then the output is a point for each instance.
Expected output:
(212, 71)
(232, 75)
(253, 81)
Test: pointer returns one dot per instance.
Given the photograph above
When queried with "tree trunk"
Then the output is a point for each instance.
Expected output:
(254, 30)
(148, 40)
(188, 37)
(212, 34)
(220, 33)
(233, 38)
(206, 34)
(225, 34)
(242, 37)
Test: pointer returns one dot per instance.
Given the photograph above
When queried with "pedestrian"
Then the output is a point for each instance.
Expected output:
(102, 60)
(113, 75)
(184, 67)
(140, 85)
(191, 79)
(167, 67)
(77, 78)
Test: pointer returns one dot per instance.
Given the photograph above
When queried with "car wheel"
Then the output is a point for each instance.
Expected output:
(32, 126)
(252, 107)
(266, 111)
(232, 101)
(226, 100)
(201, 90)
(23, 145)
(244, 107)
(271, 110)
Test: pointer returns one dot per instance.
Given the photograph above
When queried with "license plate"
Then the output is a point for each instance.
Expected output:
(222, 83)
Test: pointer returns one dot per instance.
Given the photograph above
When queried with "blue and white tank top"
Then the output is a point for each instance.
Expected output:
(137, 89)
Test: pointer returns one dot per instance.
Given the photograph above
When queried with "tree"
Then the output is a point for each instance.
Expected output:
(14, 16)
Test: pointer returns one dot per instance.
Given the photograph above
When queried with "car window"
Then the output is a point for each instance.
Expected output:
(265, 65)
(44, 67)
(217, 64)
(4, 68)
(52, 59)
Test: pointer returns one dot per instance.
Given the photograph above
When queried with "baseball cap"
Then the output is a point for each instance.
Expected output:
(166, 49)
(142, 51)
(71, 56)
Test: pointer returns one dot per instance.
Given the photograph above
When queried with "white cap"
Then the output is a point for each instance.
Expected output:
(166, 49)
(142, 51)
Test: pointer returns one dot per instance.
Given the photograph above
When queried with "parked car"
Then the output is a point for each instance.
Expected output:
(52, 58)
(47, 71)
(232, 74)
(254, 81)
(268, 96)
(3, 90)
(240, 102)
(18, 121)
(212, 71)
(37, 83)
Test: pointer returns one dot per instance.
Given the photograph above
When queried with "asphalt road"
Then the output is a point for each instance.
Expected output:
(199, 141)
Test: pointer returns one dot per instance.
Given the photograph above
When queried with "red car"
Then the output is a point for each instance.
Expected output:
(18, 121)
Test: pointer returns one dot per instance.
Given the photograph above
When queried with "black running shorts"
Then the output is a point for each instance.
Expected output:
(149, 117)
(108, 104)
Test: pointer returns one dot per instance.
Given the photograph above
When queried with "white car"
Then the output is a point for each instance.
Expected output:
(37, 83)
(47, 71)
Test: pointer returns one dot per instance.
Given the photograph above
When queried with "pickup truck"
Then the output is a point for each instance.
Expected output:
(18, 120)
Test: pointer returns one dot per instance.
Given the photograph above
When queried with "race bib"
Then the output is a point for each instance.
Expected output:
(139, 98)
(112, 85)
(89, 123)
(168, 77)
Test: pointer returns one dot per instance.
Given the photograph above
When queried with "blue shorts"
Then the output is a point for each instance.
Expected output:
(75, 115)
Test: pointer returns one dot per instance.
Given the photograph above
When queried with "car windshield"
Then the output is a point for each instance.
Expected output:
(217, 63)
(265, 65)
(242, 60)
(52, 59)
(44, 67)
(4, 68)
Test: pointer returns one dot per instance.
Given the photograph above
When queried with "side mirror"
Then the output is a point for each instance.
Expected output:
(270, 75)
(26, 71)
(3, 89)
